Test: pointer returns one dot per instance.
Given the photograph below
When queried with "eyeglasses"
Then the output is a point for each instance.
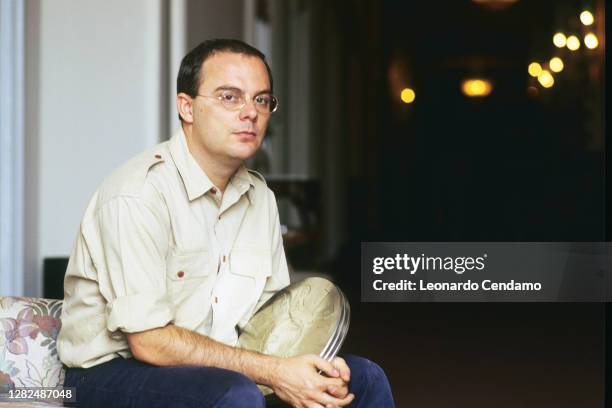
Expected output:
(234, 100)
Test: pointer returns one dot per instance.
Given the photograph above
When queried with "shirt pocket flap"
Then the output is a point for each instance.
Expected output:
(181, 266)
(252, 264)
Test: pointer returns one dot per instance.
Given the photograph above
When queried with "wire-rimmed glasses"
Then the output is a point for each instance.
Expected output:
(235, 99)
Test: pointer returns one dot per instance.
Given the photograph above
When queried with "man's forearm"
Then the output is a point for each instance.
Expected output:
(172, 345)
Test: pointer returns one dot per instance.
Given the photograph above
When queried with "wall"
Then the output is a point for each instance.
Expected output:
(11, 145)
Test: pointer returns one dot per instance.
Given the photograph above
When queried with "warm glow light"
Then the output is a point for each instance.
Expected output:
(546, 79)
(591, 41)
(556, 64)
(573, 43)
(476, 87)
(559, 40)
(495, 4)
(534, 69)
(587, 18)
(407, 95)
(532, 91)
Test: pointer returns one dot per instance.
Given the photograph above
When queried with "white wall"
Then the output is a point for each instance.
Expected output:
(93, 101)
(11, 145)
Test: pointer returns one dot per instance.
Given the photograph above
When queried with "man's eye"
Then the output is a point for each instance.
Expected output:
(262, 100)
(230, 97)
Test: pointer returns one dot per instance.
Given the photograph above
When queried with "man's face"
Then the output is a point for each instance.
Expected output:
(222, 133)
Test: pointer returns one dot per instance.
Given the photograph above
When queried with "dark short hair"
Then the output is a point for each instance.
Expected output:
(190, 72)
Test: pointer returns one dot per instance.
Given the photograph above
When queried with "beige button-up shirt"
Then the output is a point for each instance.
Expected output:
(159, 244)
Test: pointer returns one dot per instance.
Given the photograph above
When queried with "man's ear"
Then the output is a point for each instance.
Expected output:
(184, 106)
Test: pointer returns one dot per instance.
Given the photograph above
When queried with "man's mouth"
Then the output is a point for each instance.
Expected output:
(245, 133)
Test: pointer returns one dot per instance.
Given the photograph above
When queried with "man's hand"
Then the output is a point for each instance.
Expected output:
(297, 381)
(345, 373)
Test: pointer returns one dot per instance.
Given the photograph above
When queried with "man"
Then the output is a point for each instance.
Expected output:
(178, 249)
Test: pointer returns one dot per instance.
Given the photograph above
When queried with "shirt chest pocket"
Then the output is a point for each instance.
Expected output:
(181, 266)
(251, 264)
(249, 271)
(188, 275)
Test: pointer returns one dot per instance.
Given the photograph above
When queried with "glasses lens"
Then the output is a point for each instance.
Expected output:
(265, 103)
(273, 103)
(231, 99)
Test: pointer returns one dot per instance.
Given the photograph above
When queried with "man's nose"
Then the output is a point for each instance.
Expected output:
(248, 111)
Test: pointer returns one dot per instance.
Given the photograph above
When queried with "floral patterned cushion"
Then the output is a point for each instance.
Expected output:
(28, 331)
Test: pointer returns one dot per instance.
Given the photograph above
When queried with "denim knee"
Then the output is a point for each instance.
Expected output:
(375, 373)
(241, 392)
(369, 383)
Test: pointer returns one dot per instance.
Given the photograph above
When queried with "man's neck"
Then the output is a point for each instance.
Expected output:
(218, 171)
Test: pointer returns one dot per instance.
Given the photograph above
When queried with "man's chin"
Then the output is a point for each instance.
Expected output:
(244, 152)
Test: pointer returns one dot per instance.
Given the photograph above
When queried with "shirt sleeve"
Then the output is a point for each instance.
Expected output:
(279, 278)
(131, 245)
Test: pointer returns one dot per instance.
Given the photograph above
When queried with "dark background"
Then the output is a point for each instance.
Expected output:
(513, 166)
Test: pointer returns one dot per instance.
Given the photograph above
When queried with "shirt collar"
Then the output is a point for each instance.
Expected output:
(195, 179)
(243, 182)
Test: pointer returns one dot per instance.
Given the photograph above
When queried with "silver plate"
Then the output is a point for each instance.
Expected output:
(309, 317)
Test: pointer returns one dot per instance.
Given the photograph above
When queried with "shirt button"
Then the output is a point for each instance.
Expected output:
(180, 274)
(158, 156)
(213, 190)
(223, 258)
(216, 300)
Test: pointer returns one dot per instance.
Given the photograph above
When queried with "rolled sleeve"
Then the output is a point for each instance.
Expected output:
(139, 312)
(133, 243)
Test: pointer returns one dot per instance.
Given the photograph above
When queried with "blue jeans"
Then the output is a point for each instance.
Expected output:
(131, 383)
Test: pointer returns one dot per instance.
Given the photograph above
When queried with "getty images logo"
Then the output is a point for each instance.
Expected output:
(413, 264)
